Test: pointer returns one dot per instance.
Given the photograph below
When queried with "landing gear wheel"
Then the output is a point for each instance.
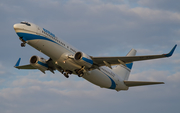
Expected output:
(80, 75)
(23, 44)
(66, 75)
(62, 71)
(79, 72)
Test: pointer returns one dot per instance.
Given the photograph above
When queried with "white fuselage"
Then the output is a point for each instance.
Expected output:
(58, 50)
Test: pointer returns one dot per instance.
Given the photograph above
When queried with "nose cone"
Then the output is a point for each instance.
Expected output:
(16, 26)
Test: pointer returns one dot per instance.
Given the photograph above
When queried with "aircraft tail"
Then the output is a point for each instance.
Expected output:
(123, 70)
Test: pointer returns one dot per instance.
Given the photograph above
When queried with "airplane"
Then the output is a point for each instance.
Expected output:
(106, 72)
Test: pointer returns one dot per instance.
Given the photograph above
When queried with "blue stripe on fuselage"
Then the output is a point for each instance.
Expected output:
(28, 36)
(113, 84)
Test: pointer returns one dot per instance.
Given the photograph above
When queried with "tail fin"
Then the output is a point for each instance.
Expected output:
(124, 70)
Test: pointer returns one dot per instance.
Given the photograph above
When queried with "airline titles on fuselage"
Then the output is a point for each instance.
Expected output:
(52, 36)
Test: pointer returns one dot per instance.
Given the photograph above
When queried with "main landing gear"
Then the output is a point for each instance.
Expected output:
(80, 72)
(66, 74)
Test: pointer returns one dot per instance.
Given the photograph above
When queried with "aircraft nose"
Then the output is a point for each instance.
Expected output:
(16, 26)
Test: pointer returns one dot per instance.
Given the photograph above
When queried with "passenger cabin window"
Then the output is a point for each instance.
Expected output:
(26, 23)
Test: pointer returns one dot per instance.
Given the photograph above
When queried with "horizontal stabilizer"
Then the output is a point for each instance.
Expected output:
(140, 83)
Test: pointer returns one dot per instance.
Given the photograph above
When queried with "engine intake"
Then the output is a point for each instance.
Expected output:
(39, 63)
(78, 56)
(83, 59)
(33, 59)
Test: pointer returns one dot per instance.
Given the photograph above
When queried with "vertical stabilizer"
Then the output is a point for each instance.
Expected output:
(123, 71)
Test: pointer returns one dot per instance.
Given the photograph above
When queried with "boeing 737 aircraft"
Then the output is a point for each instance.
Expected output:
(68, 60)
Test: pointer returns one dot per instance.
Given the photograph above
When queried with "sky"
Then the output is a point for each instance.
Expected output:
(98, 28)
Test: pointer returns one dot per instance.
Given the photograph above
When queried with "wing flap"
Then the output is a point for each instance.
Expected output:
(140, 83)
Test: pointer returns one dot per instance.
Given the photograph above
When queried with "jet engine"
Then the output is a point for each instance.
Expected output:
(83, 59)
(39, 63)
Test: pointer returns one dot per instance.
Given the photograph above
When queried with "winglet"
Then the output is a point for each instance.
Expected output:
(171, 52)
(18, 62)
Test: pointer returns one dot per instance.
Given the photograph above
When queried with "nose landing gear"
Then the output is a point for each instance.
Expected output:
(23, 44)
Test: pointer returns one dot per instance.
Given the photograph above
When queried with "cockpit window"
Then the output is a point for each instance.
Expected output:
(26, 23)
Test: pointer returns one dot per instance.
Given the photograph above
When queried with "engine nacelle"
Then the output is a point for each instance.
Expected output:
(39, 63)
(83, 59)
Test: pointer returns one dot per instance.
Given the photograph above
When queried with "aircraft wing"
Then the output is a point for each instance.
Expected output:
(50, 63)
(23, 66)
(102, 61)
(140, 83)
